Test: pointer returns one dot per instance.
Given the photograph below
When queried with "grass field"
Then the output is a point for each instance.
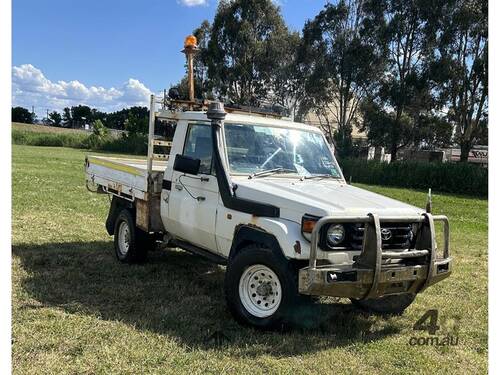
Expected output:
(45, 129)
(76, 310)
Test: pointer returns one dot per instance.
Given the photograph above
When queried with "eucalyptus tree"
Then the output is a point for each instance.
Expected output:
(202, 84)
(407, 91)
(343, 60)
(245, 50)
(461, 65)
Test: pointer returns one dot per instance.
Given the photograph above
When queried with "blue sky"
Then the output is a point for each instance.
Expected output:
(108, 53)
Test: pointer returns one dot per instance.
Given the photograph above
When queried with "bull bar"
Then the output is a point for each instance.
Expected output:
(375, 272)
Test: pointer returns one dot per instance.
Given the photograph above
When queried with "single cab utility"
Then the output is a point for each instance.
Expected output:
(266, 197)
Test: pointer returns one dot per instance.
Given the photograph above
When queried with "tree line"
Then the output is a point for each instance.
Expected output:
(408, 73)
(134, 119)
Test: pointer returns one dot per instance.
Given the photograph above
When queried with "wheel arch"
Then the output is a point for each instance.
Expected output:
(245, 235)
(116, 206)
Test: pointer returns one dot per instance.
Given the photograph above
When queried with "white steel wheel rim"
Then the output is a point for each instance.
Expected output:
(123, 238)
(260, 291)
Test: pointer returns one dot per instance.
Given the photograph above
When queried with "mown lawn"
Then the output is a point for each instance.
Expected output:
(76, 310)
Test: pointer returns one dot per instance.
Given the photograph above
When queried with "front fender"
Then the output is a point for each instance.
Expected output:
(287, 236)
(281, 235)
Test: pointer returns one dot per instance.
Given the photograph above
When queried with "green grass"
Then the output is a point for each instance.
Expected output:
(45, 129)
(47, 136)
(76, 310)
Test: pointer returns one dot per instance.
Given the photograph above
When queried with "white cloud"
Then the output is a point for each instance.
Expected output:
(193, 3)
(31, 88)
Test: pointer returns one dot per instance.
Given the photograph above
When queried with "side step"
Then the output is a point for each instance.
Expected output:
(199, 251)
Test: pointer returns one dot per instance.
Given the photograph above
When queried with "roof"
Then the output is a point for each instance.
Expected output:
(238, 118)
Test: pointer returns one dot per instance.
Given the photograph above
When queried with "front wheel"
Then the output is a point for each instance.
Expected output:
(261, 288)
(130, 242)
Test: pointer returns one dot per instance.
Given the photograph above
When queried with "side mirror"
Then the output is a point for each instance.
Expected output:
(186, 164)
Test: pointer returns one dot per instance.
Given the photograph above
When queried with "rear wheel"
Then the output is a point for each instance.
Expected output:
(261, 288)
(394, 304)
(131, 243)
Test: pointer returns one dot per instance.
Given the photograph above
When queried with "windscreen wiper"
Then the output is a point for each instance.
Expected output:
(325, 175)
(271, 171)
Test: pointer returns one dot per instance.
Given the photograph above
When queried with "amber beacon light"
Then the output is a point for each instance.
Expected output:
(190, 42)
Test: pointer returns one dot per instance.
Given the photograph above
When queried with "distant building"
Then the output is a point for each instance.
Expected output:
(478, 155)
(320, 121)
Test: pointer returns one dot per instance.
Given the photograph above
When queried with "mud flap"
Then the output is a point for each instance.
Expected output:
(115, 207)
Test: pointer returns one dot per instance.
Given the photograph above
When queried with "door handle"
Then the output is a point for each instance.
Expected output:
(178, 187)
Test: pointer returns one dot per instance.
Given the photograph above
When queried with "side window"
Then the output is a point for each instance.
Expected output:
(199, 146)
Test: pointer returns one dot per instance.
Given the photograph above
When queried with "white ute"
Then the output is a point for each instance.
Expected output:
(266, 197)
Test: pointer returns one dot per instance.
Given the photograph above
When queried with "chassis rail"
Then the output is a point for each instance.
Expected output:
(375, 273)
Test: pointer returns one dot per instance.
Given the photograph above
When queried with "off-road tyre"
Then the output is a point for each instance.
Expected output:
(131, 243)
(248, 260)
(388, 305)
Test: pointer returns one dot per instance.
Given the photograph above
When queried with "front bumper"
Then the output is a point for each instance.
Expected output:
(375, 272)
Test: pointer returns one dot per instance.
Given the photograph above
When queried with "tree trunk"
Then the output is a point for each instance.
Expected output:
(394, 152)
(465, 148)
(394, 135)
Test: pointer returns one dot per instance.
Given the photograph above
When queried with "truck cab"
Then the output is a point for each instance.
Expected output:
(265, 197)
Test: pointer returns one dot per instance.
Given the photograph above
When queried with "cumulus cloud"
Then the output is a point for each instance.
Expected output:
(193, 3)
(30, 87)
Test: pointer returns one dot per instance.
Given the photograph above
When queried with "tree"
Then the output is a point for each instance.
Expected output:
(135, 123)
(67, 118)
(288, 82)
(117, 120)
(434, 131)
(427, 131)
(20, 114)
(342, 65)
(380, 124)
(55, 118)
(200, 65)
(243, 53)
(407, 32)
(99, 130)
(81, 114)
(182, 88)
(462, 65)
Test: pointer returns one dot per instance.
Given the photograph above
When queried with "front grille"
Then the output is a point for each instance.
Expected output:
(402, 236)
(394, 236)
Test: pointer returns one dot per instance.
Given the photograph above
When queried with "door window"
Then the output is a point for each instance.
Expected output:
(199, 146)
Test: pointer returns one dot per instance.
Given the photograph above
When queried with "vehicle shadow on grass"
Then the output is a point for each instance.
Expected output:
(177, 294)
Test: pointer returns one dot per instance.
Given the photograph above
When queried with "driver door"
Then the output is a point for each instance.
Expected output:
(194, 219)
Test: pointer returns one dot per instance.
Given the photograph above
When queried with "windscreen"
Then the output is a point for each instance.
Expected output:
(257, 148)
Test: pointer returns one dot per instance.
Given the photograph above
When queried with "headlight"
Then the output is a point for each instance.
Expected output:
(335, 234)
